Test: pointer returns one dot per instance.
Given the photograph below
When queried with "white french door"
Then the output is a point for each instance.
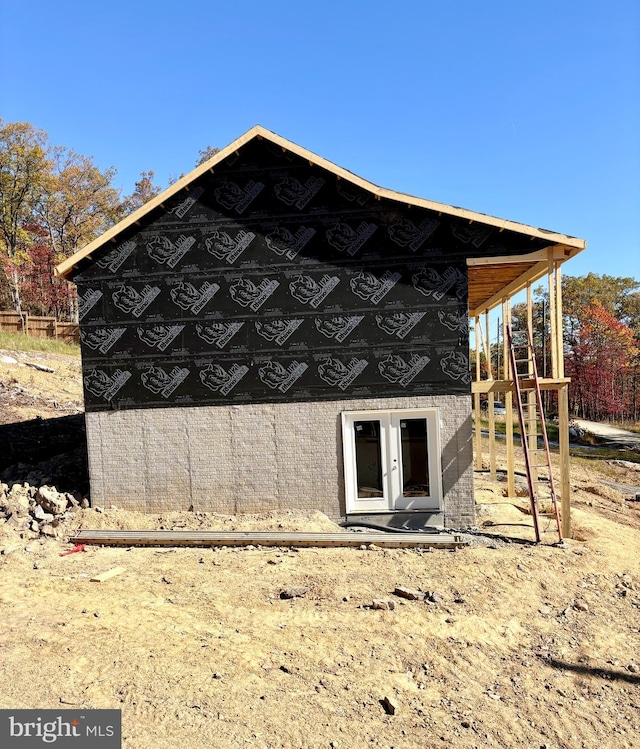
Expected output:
(392, 460)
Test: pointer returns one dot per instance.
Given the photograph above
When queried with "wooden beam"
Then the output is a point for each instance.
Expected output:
(476, 403)
(559, 325)
(520, 283)
(508, 400)
(553, 320)
(563, 440)
(506, 386)
(558, 251)
(264, 538)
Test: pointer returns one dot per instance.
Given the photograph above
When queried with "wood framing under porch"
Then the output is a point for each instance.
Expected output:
(493, 283)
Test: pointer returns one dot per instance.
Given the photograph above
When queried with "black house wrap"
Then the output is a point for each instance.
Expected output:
(271, 279)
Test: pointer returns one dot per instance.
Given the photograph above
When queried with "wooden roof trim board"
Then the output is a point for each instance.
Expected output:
(66, 267)
(556, 252)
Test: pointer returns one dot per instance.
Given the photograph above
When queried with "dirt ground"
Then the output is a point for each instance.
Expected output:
(526, 646)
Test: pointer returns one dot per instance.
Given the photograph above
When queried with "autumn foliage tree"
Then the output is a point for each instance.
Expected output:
(53, 202)
(601, 364)
(601, 335)
(24, 166)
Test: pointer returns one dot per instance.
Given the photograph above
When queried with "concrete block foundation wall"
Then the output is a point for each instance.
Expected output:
(255, 458)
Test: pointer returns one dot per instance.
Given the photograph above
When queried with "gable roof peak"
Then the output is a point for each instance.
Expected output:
(65, 268)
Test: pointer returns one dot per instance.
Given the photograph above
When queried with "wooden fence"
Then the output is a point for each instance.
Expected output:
(39, 327)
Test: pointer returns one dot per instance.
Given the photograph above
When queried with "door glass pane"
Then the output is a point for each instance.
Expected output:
(415, 458)
(368, 458)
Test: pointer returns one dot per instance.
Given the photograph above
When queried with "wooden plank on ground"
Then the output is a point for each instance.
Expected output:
(108, 574)
(264, 538)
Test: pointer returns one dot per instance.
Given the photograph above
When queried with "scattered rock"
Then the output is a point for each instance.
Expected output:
(39, 367)
(293, 593)
(409, 594)
(625, 464)
(378, 603)
(40, 514)
(580, 606)
(433, 597)
(9, 550)
(51, 500)
(19, 523)
(390, 705)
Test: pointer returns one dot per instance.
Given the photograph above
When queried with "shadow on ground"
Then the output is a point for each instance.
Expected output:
(46, 451)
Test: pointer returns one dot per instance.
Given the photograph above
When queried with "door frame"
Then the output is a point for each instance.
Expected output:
(392, 499)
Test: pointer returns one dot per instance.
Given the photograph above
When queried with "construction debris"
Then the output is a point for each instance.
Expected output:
(36, 511)
(108, 574)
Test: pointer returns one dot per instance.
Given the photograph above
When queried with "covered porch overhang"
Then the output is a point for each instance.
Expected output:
(493, 283)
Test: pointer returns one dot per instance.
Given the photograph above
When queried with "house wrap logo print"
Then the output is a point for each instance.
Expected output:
(64, 729)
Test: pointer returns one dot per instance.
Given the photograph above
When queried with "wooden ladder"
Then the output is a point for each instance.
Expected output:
(526, 383)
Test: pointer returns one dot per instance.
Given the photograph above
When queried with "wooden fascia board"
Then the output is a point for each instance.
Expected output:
(65, 268)
(519, 283)
(556, 252)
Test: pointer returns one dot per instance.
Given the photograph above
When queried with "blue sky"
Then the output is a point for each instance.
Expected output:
(527, 111)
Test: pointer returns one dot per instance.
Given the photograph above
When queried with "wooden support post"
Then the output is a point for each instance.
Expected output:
(487, 346)
(508, 399)
(563, 439)
(563, 418)
(559, 325)
(492, 415)
(553, 320)
(477, 408)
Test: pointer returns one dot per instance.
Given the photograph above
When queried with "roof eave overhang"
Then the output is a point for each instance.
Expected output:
(535, 265)
(66, 268)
